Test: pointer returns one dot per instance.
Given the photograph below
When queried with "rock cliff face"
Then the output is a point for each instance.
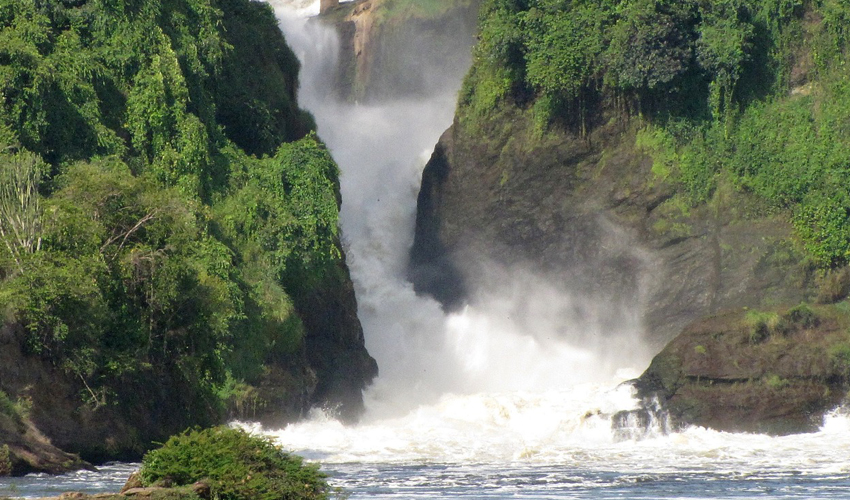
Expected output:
(589, 213)
(400, 49)
(335, 346)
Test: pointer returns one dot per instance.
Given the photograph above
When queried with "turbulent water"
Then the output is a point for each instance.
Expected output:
(511, 397)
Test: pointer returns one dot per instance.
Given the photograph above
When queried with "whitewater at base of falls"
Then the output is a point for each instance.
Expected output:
(514, 446)
(513, 396)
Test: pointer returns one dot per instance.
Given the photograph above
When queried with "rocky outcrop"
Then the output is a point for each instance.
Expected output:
(589, 213)
(775, 372)
(335, 345)
(23, 448)
(62, 408)
(398, 49)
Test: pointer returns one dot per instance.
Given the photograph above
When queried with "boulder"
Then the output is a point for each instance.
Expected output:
(775, 371)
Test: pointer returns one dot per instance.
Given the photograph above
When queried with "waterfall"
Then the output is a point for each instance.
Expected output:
(526, 350)
(529, 374)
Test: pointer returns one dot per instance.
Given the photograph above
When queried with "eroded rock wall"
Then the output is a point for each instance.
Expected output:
(588, 212)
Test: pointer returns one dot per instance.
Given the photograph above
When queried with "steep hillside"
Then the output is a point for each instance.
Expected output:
(679, 159)
(170, 253)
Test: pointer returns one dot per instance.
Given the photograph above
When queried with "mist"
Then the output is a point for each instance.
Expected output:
(518, 332)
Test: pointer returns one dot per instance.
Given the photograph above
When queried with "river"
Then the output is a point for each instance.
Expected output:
(511, 397)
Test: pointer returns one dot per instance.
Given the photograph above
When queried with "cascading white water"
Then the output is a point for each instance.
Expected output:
(522, 337)
(517, 384)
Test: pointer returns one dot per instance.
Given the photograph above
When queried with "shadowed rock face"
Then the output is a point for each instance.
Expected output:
(335, 346)
(589, 213)
(326, 5)
(734, 372)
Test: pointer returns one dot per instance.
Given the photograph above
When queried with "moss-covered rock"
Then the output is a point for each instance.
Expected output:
(775, 371)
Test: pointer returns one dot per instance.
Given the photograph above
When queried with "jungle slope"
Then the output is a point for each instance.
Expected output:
(170, 251)
(681, 159)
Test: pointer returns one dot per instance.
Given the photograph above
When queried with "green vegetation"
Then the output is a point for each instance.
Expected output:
(5, 461)
(237, 466)
(163, 203)
(764, 324)
(16, 411)
(752, 93)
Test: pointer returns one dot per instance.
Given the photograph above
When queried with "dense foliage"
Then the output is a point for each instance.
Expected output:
(236, 465)
(161, 196)
(755, 92)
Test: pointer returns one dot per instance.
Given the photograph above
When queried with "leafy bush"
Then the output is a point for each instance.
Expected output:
(5, 461)
(763, 324)
(237, 466)
(839, 355)
(7, 406)
(802, 316)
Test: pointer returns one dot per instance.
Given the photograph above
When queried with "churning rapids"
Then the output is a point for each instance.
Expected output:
(513, 396)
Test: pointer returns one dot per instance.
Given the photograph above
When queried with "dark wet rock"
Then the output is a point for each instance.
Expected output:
(777, 371)
(588, 213)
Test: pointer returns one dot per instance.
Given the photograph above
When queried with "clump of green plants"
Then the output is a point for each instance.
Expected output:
(776, 382)
(17, 411)
(839, 355)
(236, 465)
(801, 316)
(834, 286)
(763, 324)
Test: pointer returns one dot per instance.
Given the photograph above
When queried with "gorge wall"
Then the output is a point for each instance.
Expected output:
(588, 213)
(397, 49)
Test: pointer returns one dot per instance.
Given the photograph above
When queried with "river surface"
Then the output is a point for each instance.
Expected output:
(509, 398)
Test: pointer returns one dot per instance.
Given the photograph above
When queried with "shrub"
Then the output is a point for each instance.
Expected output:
(237, 466)
(802, 316)
(834, 286)
(839, 355)
(763, 324)
(7, 407)
(5, 461)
